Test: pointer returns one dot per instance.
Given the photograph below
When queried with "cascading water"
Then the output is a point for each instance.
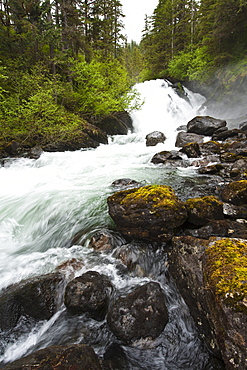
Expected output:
(45, 202)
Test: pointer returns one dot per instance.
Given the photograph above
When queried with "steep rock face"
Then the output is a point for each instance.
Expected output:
(218, 308)
(60, 358)
(118, 123)
(150, 212)
(204, 125)
(140, 314)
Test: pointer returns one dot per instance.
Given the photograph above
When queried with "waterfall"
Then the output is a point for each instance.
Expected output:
(45, 202)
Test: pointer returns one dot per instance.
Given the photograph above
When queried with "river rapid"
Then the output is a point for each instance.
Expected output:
(45, 202)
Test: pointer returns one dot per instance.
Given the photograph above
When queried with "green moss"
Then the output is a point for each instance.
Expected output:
(226, 271)
(209, 200)
(156, 195)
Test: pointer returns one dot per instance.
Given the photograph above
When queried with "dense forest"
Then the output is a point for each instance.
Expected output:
(65, 61)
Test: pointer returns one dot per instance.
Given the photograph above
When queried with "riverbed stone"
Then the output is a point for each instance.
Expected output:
(184, 138)
(155, 138)
(204, 125)
(140, 314)
(235, 193)
(151, 212)
(89, 293)
(171, 158)
(192, 150)
(60, 358)
(105, 240)
(203, 209)
(125, 183)
(38, 297)
(206, 272)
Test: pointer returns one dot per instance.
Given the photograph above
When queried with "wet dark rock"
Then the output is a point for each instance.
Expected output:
(105, 240)
(204, 125)
(38, 297)
(184, 138)
(141, 314)
(71, 145)
(211, 170)
(13, 148)
(115, 358)
(167, 157)
(235, 212)
(212, 228)
(210, 147)
(205, 161)
(155, 138)
(150, 212)
(95, 133)
(235, 193)
(203, 209)
(228, 157)
(222, 328)
(192, 150)
(35, 152)
(117, 123)
(237, 147)
(182, 128)
(234, 133)
(89, 293)
(70, 267)
(243, 126)
(123, 184)
(60, 358)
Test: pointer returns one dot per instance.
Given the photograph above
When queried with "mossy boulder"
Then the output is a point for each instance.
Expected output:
(235, 193)
(211, 276)
(151, 212)
(203, 209)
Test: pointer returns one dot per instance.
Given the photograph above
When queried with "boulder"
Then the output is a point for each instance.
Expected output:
(243, 126)
(235, 193)
(211, 278)
(89, 293)
(210, 147)
(155, 138)
(151, 212)
(211, 169)
(60, 358)
(140, 314)
(167, 157)
(82, 141)
(12, 148)
(125, 183)
(184, 138)
(192, 150)
(105, 240)
(204, 125)
(220, 228)
(203, 209)
(38, 297)
(234, 133)
(235, 212)
(238, 147)
(117, 123)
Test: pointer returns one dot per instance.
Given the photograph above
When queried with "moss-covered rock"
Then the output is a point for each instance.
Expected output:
(235, 193)
(226, 271)
(203, 209)
(151, 212)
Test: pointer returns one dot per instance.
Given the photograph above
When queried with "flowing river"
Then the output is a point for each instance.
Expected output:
(45, 202)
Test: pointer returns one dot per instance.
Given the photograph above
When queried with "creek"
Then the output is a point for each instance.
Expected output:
(45, 202)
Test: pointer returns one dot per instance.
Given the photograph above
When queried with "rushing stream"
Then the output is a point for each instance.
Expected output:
(45, 202)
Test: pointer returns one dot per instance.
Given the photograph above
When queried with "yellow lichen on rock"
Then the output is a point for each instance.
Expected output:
(226, 271)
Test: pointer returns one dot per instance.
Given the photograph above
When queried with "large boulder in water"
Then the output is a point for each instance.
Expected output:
(204, 125)
(89, 293)
(141, 314)
(211, 276)
(38, 297)
(76, 357)
(155, 138)
(151, 212)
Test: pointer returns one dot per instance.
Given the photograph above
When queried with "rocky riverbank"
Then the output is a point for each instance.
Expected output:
(203, 236)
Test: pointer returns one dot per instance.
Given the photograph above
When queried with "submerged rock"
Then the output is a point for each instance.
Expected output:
(89, 293)
(141, 314)
(204, 125)
(60, 358)
(105, 240)
(155, 138)
(151, 212)
(125, 183)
